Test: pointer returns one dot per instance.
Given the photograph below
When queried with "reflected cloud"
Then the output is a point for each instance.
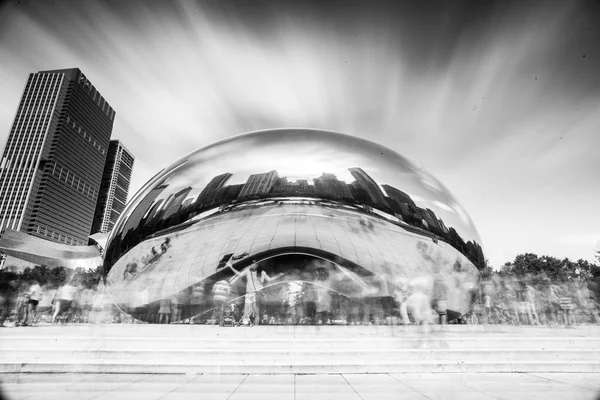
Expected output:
(467, 86)
(443, 206)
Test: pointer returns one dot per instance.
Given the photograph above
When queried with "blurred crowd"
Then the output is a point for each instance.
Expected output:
(30, 303)
(497, 299)
(534, 300)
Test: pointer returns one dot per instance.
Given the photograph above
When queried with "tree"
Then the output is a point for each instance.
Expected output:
(44, 275)
(487, 271)
(88, 278)
(556, 269)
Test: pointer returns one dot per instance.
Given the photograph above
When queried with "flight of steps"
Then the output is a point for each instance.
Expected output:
(304, 350)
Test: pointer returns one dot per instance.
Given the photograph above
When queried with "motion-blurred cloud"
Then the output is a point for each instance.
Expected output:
(499, 101)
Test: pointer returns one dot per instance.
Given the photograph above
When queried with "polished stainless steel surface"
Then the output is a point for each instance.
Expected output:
(363, 212)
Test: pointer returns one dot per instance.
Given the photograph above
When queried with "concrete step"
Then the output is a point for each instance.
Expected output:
(310, 330)
(165, 367)
(294, 343)
(430, 353)
(305, 350)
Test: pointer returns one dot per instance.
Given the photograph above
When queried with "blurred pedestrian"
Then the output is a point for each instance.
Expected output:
(256, 277)
(164, 312)
(512, 302)
(64, 300)
(531, 300)
(323, 304)
(554, 301)
(440, 297)
(526, 296)
(86, 299)
(487, 289)
(4, 296)
(401, 297)
(584, 302)
(21, 305)
(474, 314)
(567, 306)
(176, 307)
(34, 295)
(197, 300)
(419, 305)
(221, 295)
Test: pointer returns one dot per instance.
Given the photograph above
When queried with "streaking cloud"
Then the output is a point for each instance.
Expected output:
(497, 101)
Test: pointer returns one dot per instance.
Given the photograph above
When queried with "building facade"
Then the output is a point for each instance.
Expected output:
(398, 195)
(259, 183)
(365, 182)
(213, 188)
(145, 208)
(328, 185)
(114, 187)
(52, 163)
(176, 202)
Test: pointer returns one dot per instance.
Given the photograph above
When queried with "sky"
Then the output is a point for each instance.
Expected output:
(498, 100)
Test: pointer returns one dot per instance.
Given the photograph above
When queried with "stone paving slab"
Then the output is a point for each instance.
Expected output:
(296, 387)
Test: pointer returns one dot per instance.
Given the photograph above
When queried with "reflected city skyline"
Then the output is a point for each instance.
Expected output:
(158, 213)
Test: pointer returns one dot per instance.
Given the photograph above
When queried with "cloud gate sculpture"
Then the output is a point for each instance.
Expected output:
(291, 226)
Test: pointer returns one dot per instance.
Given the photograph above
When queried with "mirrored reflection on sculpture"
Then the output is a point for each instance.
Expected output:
(291, 226)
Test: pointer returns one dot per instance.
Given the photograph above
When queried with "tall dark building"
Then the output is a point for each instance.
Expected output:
(53, 161)
(176, 202)
(431, 219)
(228, 193)
(369, 185)
(114, 187)
(143, 209)
(398, 195)
(211, 190)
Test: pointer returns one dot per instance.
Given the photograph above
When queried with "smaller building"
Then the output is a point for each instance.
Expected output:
(114, 187)
(328, 185)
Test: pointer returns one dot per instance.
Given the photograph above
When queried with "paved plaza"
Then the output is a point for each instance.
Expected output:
(311, 387)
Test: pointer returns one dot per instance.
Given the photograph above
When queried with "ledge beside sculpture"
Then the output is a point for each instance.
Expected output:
(38, 251)
(322, 211)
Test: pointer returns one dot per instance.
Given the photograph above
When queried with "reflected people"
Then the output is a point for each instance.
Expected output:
(340, 217)
(256, 278)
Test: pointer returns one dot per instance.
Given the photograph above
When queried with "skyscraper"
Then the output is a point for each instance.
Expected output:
(211, 190)
(259, 183)
(53, 160)
(398, 195)
(369, 185)
(176, 202)
(114, 187)
(144, 209)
